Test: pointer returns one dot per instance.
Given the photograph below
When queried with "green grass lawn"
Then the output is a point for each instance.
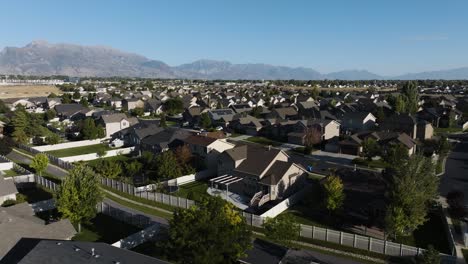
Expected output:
(171, 123)
(431, 233)
(263, 141)
(105, 229)
(79, 150)
(138, 199)
(10, 173)
(118, 158)
(440, 130)
(193, 191)
(140, 208)
(465, 254)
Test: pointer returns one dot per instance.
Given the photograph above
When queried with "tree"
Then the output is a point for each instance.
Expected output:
(413, 186)
(174, 106)
(100, 131)
(133, 167)
(211, 232)
(282, 229)
(313, 136)
(6, 145)
(50, 114)
(400, 104)
(76, 95)
(147, 159)
(167, 166)
(411, 95)
(52, 139)
(84, 102)
(205, 120)
(89, 129)
(430, 256)
(380, 115)
(370, 148)
(183, 154)
(333, 193)
(3, 108)
(162, 122)
(257, 111)
(396, 155)
(39, 163)
(19, 122)
(107, 169)
(66, 98)
(78, 195)
(315, 92)
(138, 111)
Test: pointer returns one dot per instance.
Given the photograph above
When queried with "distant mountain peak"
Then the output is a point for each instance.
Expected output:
(43, 58)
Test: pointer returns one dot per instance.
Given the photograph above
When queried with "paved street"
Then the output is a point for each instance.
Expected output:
(51, 169)
(456, 169)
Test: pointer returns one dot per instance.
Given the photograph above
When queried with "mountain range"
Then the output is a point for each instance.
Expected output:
(43, 58)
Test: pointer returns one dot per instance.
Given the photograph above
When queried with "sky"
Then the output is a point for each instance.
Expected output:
(385, 37)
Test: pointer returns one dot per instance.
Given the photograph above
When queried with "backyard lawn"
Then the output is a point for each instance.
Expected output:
(36, 194)
(193, 191)
(263, 141)
(9, 173)
(79, 150)
(105, 229)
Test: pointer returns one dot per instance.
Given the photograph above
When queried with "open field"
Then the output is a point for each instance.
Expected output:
(21, 91)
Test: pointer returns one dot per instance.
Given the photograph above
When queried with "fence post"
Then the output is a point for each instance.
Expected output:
(385, 247)
(313, 232)
(341, 238)
(300, 229)
(418, 251)
(370, 243)
(326, 234)
(354, 240)
(401, 250)
(186, 203)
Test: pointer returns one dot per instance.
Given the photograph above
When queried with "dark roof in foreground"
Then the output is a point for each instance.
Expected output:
(37, 251)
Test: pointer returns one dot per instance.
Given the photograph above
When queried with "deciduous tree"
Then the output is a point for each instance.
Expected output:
(211, 232)
(333, 193)
(78, 195)
(413, 186)
(282, 229)
(167, 166)
(39, 163)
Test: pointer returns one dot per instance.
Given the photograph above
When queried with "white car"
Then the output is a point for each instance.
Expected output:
(219, 128)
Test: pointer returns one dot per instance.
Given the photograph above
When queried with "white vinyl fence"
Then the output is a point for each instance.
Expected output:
(5, 164)
(286, 203)
(72, 144)
(312, 232)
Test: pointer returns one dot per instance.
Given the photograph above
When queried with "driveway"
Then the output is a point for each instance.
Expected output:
(51, 169)
(456, 170)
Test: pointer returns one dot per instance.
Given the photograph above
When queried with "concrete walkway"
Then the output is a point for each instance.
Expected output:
(21, 157)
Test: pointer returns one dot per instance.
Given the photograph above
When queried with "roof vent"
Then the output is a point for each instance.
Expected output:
(77, 249)
(92, 251)
(97, 256)
(59, 243)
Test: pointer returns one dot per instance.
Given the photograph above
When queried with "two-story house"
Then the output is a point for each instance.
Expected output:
(115, 122)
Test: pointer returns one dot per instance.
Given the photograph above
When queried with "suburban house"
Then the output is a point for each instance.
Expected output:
(115, 102)
(19, 221)
(45, 251)
(328, 129)
(207, 148)
(164, 140)
(132, 103)
(386, 139)
(246, 124)
(284, 113)
(154, 106)
(408, 124)
(116, 122)
(221, 116)
(72, 111)
(265, 174)
(132, 136)
(357, 121)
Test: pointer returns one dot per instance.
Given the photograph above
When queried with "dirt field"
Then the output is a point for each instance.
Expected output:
(21, 91)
